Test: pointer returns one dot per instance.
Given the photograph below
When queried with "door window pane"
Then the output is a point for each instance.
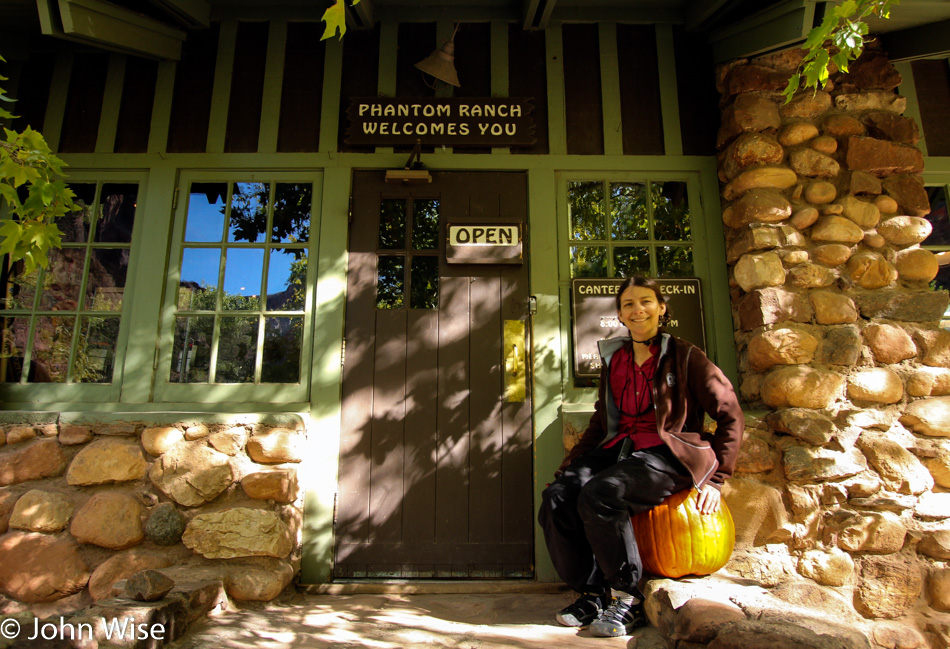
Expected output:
(938, 217)
(390, 281)
(105, 287)
(237, 350)
(13, 340)
(670, 211)
(424, 279)
(249, 212)
(62, 280)
(116, 213)
(199, 279)
(586, 206)
(425, 224)
(76, 224)
(205, 219)
(283, 338)
(629, 218)
(292, 209)
(191, 350)
(52, 340)
(392, 224)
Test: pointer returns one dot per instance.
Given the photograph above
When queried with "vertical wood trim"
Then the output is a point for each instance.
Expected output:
(610, 89)
(386, 68)
(221, 92)
(908, 89)
(332, 84)
(111, 103)
(56, 106)
(162, 108)
(273, 80)
(499, 68)
(443, 32)
(669, 99)
(557, 120)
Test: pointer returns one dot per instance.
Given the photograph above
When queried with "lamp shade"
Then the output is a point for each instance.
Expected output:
(441, 64)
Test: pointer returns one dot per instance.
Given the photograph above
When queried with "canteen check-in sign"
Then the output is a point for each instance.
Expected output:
(594, 311)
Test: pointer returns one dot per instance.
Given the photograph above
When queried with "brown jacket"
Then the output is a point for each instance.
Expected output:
(685, 386)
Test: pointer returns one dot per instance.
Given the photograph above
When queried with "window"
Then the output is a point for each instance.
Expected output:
(407, 260)
(939, 239)
(239, 289)
(621, 228)
(62, 324)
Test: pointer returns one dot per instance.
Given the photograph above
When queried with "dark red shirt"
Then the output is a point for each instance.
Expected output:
(631, 386)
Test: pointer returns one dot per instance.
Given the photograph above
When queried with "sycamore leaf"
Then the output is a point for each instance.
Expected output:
(11, 231)
(335, 18)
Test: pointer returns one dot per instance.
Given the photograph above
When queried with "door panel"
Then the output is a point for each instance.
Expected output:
(435, 465)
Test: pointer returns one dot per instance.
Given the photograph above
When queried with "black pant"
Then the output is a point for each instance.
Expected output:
(585, 514)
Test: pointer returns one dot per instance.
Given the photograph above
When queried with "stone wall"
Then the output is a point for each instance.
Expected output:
(844, 474)
(85, 504)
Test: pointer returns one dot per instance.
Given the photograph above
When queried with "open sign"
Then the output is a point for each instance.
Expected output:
(484, 243)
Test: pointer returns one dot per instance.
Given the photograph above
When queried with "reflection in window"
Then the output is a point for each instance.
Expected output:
(939, 240)
(261, 269)
(424, 282)
(390, 281)
(62, 323)
(425, 224)
(609, 216)
(392, 224)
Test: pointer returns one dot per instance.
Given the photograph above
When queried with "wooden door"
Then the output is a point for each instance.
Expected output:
(435, 463)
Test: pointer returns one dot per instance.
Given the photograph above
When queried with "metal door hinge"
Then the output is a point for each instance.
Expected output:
(532, 305)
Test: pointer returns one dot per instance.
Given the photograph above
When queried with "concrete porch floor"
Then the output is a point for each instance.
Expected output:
(401, 621)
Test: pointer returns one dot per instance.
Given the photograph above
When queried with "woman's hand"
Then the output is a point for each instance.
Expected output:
(708, 499)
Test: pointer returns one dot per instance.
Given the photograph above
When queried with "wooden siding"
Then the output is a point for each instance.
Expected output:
(84, 103)
(247, 88)
(932, 78)
(302, 89)
(584, 107)
(696, 89)
(191, 101)
(639, 90)
(135, 111)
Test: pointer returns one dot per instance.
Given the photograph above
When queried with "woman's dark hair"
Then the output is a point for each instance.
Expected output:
(650, 283)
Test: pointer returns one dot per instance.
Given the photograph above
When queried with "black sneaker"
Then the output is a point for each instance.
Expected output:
(619, 619)
(583, 611)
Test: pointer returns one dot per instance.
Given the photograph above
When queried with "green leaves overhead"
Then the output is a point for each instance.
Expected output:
(838, 41)
(335, 19)
(33, 192)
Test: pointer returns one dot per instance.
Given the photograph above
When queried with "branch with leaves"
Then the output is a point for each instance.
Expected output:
(842, 30)
(31, 186)
(335, 19)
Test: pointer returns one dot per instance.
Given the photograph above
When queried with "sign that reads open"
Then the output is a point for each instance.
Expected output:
(484, 243)
(594, 304)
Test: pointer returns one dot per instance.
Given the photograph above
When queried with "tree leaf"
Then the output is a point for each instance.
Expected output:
(335, 19)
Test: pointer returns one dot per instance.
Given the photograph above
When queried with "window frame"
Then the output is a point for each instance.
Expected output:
(25, 392)
(931, 180)
(166, 391)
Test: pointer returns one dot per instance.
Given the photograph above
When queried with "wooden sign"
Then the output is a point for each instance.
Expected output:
(594, 306)
(451, 121)
(484, 243)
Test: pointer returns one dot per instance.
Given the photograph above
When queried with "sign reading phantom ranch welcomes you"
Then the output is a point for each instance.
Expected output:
(481, 122)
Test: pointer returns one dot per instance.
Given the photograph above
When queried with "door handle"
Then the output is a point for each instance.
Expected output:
(514, 352)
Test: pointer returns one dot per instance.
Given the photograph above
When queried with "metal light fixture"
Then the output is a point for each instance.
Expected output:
(412, 172)
(441, 63)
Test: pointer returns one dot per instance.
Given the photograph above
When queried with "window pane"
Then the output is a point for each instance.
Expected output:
(425, 224)
(51, 342)
(20, 289)
(76, 224)
(191, 353)
(286, 280)
(249, 212)
(116, 213)
(13, 335)
(106, 284)
(424, 280)
(242, 279)
(586, 206)
(199, 279)
(938, 218)
(589, 261)
(674, 261)
(237, 349)
(629, 219)
(631, 261)
(95, 351)
(292, 208)
(63, 279)
(390, 282)
(670, 211)
(282, 341)
(392, 224)
(205, 221)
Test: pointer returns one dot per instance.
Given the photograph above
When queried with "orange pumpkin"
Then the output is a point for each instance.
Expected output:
(675, 539)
